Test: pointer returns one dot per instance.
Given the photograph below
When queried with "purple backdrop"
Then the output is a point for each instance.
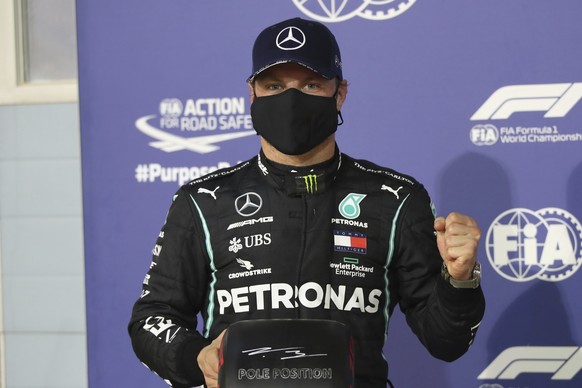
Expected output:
(478, 100)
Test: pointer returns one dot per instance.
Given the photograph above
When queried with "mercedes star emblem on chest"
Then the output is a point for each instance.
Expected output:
(248, 204)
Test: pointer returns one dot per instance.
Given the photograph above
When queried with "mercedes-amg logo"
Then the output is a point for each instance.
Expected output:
(248, 204)
(290, 38)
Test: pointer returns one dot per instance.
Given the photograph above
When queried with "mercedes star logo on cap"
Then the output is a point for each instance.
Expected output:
(290, 38)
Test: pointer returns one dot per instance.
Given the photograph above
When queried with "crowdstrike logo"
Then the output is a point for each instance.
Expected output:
(245, 264)
(563, 362)
(342, 10)
(249, 270)
(556, 100)
(523, 245)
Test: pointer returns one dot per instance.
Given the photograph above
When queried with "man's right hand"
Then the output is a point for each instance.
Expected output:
(208, 361)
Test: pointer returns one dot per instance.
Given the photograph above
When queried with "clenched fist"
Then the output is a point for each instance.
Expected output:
(458, 237)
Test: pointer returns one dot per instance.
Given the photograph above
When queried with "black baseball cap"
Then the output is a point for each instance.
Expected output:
(300, 41)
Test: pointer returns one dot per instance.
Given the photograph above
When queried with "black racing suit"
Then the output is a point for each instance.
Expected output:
(346, 240)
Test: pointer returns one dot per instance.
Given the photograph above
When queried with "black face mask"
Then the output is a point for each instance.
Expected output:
(294, 122)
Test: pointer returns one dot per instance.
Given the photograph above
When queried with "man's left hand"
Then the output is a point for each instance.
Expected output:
(458, 237)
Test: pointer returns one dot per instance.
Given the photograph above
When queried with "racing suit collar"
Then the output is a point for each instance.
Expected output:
(309, 180)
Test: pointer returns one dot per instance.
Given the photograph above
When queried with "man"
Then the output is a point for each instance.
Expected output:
(301, 218)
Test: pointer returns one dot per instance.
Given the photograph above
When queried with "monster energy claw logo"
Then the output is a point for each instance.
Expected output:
(349, 207)
(310, 183)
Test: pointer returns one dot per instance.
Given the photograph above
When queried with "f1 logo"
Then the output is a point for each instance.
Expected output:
(554, 99)
(563, 361)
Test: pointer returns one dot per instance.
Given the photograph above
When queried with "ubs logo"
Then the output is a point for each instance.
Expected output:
(255, 240)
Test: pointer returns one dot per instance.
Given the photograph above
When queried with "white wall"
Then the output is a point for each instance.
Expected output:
(41, 250)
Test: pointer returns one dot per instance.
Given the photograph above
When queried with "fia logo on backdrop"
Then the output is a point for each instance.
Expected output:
(524, 245)
(555, 101)
(333, 11)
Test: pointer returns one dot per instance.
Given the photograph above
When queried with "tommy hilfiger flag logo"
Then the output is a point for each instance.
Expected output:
(345, 241)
